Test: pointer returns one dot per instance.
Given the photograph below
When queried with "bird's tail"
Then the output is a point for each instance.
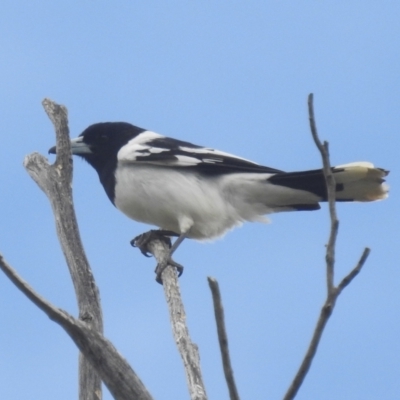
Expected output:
(358, 181)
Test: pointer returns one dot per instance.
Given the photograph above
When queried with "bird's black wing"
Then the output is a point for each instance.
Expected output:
(152, 148)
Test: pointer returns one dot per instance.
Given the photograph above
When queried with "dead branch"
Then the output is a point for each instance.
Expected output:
(100, 360)
(331, 194)
(56, 181)
(112, 368)
(223, 338)
(332, 291)
(187, 349)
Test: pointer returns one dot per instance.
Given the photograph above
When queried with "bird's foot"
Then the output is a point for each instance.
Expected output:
(161, 267)
(142, 241)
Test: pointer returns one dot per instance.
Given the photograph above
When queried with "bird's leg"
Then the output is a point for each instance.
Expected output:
(144, 239)
(160, 267)
(178, 242)
(165, 232)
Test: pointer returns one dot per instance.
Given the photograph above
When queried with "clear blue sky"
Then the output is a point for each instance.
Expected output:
(234, 76)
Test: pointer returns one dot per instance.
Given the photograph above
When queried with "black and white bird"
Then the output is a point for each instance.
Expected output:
(201, 193)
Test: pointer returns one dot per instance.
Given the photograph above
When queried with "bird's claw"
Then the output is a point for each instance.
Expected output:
(161, 267)
(142, 241)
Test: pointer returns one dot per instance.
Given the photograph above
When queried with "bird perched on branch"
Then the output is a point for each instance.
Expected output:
(201, 193)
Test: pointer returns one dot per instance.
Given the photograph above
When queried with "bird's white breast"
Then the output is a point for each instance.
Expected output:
(175, 200)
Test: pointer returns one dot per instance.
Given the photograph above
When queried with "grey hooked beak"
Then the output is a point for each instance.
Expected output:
(78, 147)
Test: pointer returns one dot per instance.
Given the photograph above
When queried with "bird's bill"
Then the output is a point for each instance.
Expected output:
(78, 147)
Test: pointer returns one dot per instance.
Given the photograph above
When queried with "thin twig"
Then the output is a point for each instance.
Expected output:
(187, 349)
(331, 195)
(332, 291)
(223, 338)
(355, 271)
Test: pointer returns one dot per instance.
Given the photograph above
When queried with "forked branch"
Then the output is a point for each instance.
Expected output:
(332, 291)
(100, 360)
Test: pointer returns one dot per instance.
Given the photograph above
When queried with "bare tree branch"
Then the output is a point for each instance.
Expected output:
(112, 368)
(332, 291)
(223, 338)
(187, 349)
(99, 360)
(331, 194)
(56, 181)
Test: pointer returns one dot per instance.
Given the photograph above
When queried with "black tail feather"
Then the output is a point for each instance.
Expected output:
(311, 181)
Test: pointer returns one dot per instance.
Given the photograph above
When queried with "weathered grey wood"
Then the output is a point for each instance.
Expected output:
(223, 338)
(99, 360)
(187, 349)
(109, 365)
(56, 181)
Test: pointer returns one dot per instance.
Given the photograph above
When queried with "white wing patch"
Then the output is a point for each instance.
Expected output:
(208, 150)
(187, 161)
(155, 150)
(137, 146)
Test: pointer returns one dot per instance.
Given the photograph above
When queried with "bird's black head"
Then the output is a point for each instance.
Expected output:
(99, 143)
